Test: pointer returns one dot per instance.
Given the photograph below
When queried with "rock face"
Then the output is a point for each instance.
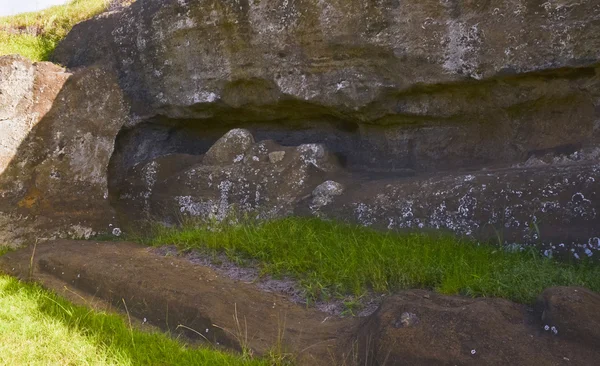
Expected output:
(554, 204)
(420, 85)
(236, 176)
(476, 117)
(341, 53)
(572, 313)
(27, 93)
(412, 327)
(58, 133)
(455, 330)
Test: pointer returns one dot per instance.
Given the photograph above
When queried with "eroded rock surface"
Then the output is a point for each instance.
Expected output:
(557, 204)
(201, 304)
(554, 204)
(334, 53)
(476, 117)
(27, 93)
(392, 85)
(455, 330)
(572, 313)
(414, 327)
(58, 133)
(236, 176)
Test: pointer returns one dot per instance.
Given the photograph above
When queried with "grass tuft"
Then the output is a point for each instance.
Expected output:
(40, 328)
(333, 259)
(5, 249)
(35, 35)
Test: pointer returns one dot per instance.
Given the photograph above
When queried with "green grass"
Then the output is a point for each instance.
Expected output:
(333, 259)
(4, 249)
(35, 35)
(40, 328)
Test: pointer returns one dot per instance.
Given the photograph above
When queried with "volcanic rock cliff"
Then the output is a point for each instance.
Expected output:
(478, 117)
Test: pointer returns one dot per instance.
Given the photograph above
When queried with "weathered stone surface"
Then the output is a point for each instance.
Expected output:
(27, 92)
(197, 298)
(571, 313)
(407, 320)
(230, 148)
(412, 327)
(59, 137)
(276, 156)
(248, 183)
(335, 53)
(554, 204)
(476, 117)
(461, 331)
(324, 194)
(418, 85)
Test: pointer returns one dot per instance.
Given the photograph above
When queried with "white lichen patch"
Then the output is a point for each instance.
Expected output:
(462, 49)
(365, 215)
(149, 176)
(315, 155)
(276, 156)
(324, 195)
(80, 232)
(523, 208)
(189, 205)
(88, 158)
(204, 97)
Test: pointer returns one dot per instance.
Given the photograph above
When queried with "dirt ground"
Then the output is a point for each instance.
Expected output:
(414, 327)
(288, 287)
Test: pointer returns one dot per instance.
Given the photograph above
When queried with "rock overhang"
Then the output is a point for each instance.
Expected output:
(390, 89)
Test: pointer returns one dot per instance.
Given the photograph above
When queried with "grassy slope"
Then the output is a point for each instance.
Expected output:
(35, 35)
(332, 259)
(39, 328)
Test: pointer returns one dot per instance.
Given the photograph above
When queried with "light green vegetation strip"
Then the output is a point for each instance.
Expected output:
(332, 259)
(40, 328)
(35, 35)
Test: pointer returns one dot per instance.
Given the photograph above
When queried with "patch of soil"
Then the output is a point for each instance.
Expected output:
(171, 292)
(249, 273)
(422, 328)
(414, 327)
